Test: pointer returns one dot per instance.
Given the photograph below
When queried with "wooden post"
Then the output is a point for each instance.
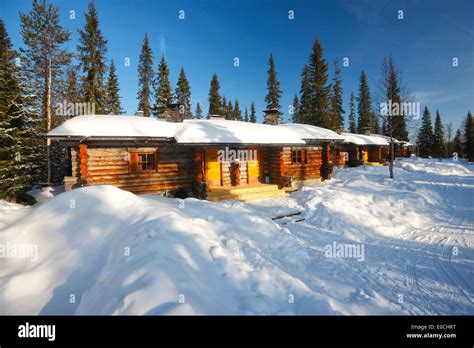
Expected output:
(83, 158)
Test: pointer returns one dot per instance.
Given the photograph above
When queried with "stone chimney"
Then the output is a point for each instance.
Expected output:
(173, 113)
(367, 130)
(216, 117)
(272, 116)
(139, 113)
(338, 130)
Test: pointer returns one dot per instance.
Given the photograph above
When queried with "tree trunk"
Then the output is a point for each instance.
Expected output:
(392, 153)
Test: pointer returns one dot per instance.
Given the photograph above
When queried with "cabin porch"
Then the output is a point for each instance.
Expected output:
(245, 192)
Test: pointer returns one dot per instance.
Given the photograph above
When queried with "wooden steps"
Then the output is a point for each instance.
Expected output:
(247, 193)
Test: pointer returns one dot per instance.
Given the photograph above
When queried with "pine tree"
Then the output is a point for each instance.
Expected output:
(319, 114)
(20, 153)
(273, 86)
(71, 92)
(337, 111)
(92, 50)
(305, 107)
(214, 97)
(229, 113)
(163, 94)
(145, 78)
(352, 117)
(375, 123)
(457, 144)
(253, 116)
(438, 149)
(44, 62)
(224, 111)
(183, 94)
(469, 137)
(399, 122)
(295, 107)
(113, 105)
(246, 115)
(364, 105)
(425, 135)
(198, 113)
(237, 112)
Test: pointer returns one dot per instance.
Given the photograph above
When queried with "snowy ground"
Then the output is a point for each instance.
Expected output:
(101, 250)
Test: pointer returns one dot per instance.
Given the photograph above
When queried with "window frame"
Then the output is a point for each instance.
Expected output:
(302, 155)
(135, 163)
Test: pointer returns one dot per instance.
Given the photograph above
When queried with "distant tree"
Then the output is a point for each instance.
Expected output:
(237, 112)
(183, 94)
(113, 105)
(163, 93)
(306, 99)
(375, 123)
(438, 147)
(352, 117)
(449, 127)
(91, 51)
(425, 135)
(469, 137)
(253, 116)
(273, 86)
(198, 113)
(246, 115)
(224, 108)
(336, 108)
(364, 105)
(458, 144)
(71, 92)
(229, 113)
(145, 78)
(44, 61)
(295, 107)
(214, 97)
(20, 154)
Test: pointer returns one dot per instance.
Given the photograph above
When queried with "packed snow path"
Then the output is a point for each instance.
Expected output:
(410, 249)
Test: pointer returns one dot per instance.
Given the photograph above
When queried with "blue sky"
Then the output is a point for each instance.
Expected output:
(213, 33)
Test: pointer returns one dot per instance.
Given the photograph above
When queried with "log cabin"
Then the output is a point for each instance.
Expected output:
(215, 159)
(365, 149)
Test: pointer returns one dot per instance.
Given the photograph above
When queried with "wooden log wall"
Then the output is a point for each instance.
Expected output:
(176, 169)
(309, 169)
(375, 153)
(75, 162)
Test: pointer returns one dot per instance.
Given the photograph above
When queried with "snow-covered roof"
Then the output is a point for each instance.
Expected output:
(114, 126)
(386, 138)
(233, 132)
(309, 132)
(360, 139)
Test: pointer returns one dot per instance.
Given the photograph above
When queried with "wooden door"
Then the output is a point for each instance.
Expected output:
(253, 166)
(213, 168)
(365, 154)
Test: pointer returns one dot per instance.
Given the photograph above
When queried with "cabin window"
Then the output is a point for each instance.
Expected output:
(143, 162)
(298, 156)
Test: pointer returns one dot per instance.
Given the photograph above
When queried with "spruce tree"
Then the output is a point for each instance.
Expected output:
(237, 112)
(253, 116)
(336, 108)
(92, 50)
(183, 94)
(458, 144)
(20, 145)
(113, 104)
(438, 149)
(214, 97)
(229, 113)
(273, 86)
(364, 107)
(198, 113)
(305, 107)
(319, 114)
(295, 107)
(71, 92)
(163, 93)
(469, 137)
(145, 78)
(44, 61)
(224, 110)
(425, 135)
(352, 117)
(246, 115)
(399, 121)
